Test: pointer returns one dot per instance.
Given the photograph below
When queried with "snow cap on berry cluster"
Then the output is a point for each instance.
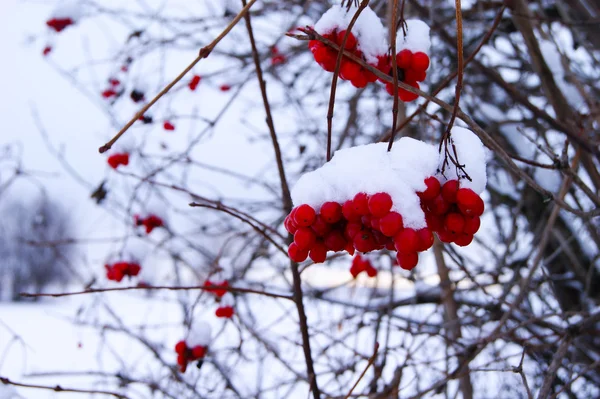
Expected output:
(416, 38)
(372, 169)
(368, 29)
(68, 9)
(471, 154)
(200, 334)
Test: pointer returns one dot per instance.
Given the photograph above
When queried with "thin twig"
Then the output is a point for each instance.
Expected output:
(393, 33)
(371, 361)
(58, 388)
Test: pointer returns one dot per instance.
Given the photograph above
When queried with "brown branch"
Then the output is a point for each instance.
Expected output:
(58, 388)
(371, 361)
(393, 34)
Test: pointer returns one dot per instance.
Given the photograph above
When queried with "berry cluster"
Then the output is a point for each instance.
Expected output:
(59, 24)
(118, 270)
(412, 68)
(185, 354)
(150, 222)
(219, 289)
(168, 126)
(113, 89)
(367, 223)
(225, 312)
(362, 264)
(349, 70)
(118, 159)
(451, 212)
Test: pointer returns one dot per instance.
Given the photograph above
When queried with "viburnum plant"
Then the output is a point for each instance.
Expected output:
(276, 215)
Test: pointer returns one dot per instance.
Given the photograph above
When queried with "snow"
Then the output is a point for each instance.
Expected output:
(368, 29)
(471, 154)
(227, 300)
(200, 334)
(416, 39)
(68, 9)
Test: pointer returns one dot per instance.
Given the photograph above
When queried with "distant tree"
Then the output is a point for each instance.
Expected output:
(33, 245)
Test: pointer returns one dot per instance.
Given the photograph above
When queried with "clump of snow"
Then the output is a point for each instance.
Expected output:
(400, 173)
(416, 38)
(368, 29)
(471, 154)
(200, 334)
(68, 9)
(227, 300)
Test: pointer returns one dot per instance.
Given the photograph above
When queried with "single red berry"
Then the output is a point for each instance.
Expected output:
(375, 224)
(318, 252)
(320, 226)
(407, 261)
(412, 75)
(419, 61)
(380, 204)
(352, 229)
(360, 204)
(194, 82)
(469, 203)
(180, 347)
(168, 126)
(463, 239)
(350, 41)
(360, 81)
(305, 238)
(335, 241)
(432, 190)
(349, 70)
(371, 271)
(331, 212)
(278, 59)
(114, 82)
(434, 222)
(407, 241)
(472, 225)
(425, 239)
(454, 222)
(225, 87)
(313, 45)
(449, 191)
(47, 50)
(305, 215)
(446, 236)
(389, 244)
(404, 58)
(391, 224)
(289, 224)
(349, 212)
(198, 352)
(439, 206)
(296, 254)
(364, 242)
(108, 93)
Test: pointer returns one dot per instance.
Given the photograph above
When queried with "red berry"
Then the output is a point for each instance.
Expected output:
(454, 222)
(305, 238)
(349, 248)
(325, 57)
(360, 81)
(198, 352)
(434, 222)
(313, 45)
(472, 225)
(463, 239)
(225, 87)
(320, 226)
(349, 70)
(180, 347)
(194, 82)
(364, 242)
(411, 75)
(134, 269)
(352, 229)
(289, 224)
(391, 224)
(108, 93)
(360, 204)
(389, 244)
(47, 50)
(432, 190)
(469, 203)
(371, 271)
(407, 261)
(406, 241)
(375, 223)
(425, 239)
(349, 213)
(296, 254)
(168, 126)
(331, 212)
(446, 236)
(278, 59)
(366, 220)
(403, 59)
(419, 61)
(380, 204)
(350, 41)
(318, 252)
(305, 215)
(449, 190)
(439, 206)
(335, 241)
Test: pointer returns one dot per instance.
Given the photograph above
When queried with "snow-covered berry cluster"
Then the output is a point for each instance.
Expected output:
(368, 41)
(195, 347)
(225, 309)
(65, 15)
(150, 222)
(367, 199)
(218, 285)
(118, 270)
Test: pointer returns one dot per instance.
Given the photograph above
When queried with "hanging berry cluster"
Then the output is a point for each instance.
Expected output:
(186, 354)
(362, 264)
(118, 159)
(402, 199)
(118, 270)
(150, 222)
(367, 41)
